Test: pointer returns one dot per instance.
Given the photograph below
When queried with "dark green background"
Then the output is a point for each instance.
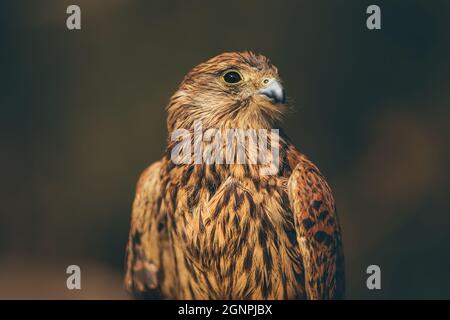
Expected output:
(82, 114)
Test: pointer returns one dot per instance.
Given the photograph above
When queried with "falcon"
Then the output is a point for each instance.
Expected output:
(220, 230)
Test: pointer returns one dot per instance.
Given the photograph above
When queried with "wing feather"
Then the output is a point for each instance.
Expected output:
(318, 231)
(143, 251)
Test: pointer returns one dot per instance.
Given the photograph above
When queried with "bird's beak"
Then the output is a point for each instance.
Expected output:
(274, 91)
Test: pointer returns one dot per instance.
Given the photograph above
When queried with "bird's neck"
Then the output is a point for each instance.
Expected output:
(239, 153)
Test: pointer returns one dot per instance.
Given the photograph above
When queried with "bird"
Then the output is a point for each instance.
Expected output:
(229, 231)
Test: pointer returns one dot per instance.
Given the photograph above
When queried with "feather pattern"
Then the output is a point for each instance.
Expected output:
(224, 231)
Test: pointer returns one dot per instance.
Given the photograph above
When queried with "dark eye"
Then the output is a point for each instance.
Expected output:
(232, 77)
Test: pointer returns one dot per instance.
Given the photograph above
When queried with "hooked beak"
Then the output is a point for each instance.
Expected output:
(274, 91)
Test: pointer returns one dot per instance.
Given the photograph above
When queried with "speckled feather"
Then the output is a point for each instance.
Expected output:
(223, 231)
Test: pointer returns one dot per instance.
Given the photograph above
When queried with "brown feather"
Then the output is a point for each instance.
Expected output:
(224, 231)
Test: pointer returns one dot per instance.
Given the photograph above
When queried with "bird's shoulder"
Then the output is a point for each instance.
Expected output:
(149, 176)
(310, 194)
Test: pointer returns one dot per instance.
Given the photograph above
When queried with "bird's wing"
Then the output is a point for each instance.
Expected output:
(143, 251)
(318, 231)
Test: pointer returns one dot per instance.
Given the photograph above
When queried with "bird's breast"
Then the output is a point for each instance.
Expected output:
(239, 239)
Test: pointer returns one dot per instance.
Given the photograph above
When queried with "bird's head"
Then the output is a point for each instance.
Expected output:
(240, 90)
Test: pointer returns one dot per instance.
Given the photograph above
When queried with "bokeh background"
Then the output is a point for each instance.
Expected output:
(83, 113)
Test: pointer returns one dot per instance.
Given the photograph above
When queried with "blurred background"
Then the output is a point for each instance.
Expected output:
(83, 113)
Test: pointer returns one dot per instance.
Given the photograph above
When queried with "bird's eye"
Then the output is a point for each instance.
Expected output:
(232, 77)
